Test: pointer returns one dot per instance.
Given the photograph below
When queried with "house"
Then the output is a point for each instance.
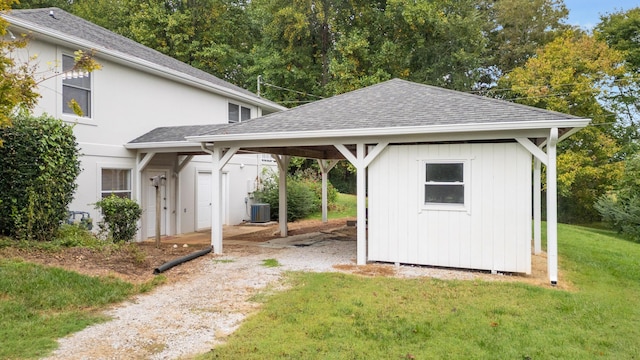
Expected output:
(134, 97)
(444, 178)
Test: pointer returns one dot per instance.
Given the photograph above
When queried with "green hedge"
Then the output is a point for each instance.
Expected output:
(39, 162)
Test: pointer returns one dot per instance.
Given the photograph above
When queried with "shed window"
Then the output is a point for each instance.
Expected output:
(444, 183)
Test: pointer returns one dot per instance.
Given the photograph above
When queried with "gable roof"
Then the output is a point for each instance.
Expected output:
(66, 28)
(395, 107)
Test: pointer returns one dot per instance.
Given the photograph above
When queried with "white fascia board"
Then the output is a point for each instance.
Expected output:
(167, 146)
(140, 64)
(396, 131)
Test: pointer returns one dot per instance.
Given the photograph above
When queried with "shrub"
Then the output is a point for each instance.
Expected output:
(119, 217)
(39, 162)
(300, 199)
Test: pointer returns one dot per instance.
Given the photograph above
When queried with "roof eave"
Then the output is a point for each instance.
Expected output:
(394, 131)
(160, 145)
(141, 64)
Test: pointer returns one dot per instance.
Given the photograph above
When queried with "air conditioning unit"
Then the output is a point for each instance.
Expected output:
(260, 213)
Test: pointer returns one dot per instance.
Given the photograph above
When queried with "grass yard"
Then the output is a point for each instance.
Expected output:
(344, 207)
(40, 304)
(338, 316)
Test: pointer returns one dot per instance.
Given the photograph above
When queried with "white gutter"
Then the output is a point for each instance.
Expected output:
(390, 131)
(160, 144)
(142, 64)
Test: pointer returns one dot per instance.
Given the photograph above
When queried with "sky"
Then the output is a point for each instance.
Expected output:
(586, 13)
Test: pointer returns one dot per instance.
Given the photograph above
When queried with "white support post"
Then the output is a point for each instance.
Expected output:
(361, 179)
(325, 167)
(219, 159)
(537, 207)
(216, 199)
(552, 208)
(361, 161)
(283, 165)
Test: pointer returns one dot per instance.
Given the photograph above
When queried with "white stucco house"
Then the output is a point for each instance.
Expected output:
(136, 95)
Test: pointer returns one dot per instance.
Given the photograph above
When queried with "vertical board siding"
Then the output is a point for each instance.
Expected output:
(494, 233)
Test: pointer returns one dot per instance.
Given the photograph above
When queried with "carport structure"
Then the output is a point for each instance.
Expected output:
(362, 125)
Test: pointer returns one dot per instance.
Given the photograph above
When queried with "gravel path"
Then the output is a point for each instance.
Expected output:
(189, 317)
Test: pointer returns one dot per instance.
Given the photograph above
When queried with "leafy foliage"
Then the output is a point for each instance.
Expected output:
(17, 82)
(39, 162)
(119, 217)
(304, 194)
(621, 207)
(568, 75)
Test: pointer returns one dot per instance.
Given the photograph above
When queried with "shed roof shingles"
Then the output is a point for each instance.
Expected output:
(394, 103)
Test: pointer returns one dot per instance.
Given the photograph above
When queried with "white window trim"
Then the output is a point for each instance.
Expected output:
(73, 118)
(132, 178)
(252, 111)
(466, 182)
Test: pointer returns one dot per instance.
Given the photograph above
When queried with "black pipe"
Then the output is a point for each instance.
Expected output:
(168, 265)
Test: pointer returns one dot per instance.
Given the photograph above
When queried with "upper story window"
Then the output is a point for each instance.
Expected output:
(117, 182)
(238, 113)
(444, 183)
(76, 85)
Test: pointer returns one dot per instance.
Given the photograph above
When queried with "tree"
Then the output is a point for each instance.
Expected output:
(17, 82)
(570, 75)
(516, 29)
(621, 31)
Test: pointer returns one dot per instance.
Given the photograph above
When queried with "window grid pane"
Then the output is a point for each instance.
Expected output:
(444, 194)
(245, 114)
(445, 173)
(234, 113)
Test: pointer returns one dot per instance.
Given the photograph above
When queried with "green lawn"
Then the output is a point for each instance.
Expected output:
(338, 316)
(344, 207)
(39, 304)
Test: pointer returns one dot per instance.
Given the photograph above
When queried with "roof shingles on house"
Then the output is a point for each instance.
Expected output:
(393, 104)
(175, 133)
(72, 27)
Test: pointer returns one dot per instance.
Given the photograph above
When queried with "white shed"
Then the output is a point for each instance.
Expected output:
(452, 179)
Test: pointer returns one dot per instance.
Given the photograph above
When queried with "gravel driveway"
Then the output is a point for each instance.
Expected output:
(191, 316)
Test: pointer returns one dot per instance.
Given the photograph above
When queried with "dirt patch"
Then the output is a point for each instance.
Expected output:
(135, 262)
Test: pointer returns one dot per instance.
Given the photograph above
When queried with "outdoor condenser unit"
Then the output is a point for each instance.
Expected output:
(260, 213)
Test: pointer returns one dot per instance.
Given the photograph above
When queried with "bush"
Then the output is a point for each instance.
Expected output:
(119, 217)
(39, 162)
(301, 200)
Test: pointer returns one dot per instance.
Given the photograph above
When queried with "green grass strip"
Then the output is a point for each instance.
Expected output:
(338, 316)
(39, 304)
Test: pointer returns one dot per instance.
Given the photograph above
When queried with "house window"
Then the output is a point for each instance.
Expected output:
(76, 85)
(117, 182)
(238, 113)
(444, 183)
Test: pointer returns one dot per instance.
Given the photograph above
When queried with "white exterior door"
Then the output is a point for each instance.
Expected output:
(203, 200)
(150, 203)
